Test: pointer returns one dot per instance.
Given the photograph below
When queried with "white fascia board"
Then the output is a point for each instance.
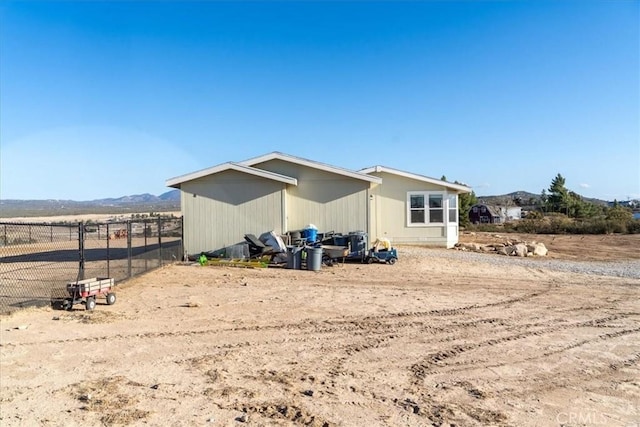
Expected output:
(175, 182)
(383, 169)
(311, 164)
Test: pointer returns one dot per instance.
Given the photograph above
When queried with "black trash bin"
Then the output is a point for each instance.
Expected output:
(294, 257)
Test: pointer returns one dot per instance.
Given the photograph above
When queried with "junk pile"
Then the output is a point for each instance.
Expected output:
(254, 252)
(301, 249)
(336, 247)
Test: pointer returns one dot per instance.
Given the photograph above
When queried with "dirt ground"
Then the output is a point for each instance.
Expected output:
(431, 340)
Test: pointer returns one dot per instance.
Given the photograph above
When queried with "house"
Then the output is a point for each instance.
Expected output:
(512, 213)
(283, 193)
(485, 214)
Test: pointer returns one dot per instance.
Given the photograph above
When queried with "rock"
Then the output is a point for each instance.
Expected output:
(487, 248)
(471, 246)
(511, 250)
(308, 393)
(540, 250)
(502, 250)
(521, 250)
(243, 418)
(21, 327)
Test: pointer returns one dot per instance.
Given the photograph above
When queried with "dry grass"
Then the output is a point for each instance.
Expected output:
(111, 397)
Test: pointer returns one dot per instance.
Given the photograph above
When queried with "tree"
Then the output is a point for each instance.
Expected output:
(465, 202)
(619, 213)
(558, 199)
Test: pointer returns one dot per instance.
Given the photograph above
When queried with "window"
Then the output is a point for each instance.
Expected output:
(426, 208)
(436, 212)
(417, 209)
(453, 208)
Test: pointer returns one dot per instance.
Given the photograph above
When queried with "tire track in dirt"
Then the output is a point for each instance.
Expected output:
(479, 363)
(461, 309)
(357, 321)
(352, 326)
(435, 362)
(549, 381)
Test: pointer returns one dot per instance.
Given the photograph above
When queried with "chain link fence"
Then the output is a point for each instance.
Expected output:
(38, 260)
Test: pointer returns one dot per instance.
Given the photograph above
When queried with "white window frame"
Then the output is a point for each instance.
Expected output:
(451, 197)
(427, 214)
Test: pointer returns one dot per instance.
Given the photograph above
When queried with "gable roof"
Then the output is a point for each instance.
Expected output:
(276, 155)
(175, 182)
(493, 210)
(457, 187)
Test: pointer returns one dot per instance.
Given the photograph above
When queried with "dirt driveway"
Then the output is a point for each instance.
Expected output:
(437, 339)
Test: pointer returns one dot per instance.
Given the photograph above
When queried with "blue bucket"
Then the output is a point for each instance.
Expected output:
(311, 234)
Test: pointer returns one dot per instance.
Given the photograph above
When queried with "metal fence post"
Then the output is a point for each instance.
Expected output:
(160, 240)
(129, 249)
(108, 253)
(81, 250)
(51, 232)
(144, 225)
(5, 234)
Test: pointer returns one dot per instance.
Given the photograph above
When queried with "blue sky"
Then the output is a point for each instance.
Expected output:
(104, 99)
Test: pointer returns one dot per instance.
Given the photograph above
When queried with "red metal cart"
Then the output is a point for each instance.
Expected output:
(86, 291)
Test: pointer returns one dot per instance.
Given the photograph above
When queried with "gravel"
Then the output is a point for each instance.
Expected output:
(627, 269)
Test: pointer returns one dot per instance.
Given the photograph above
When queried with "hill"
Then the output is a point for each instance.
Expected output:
(169, 201)
(523, 198)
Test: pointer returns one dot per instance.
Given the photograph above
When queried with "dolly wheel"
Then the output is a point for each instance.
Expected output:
(111, 298)
(91, 303)
(392, 261)
(370, 260)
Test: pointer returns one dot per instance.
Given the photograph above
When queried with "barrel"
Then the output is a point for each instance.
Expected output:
(314, 258)
(294, 257)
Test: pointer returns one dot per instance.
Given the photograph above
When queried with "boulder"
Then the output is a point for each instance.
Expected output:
(521, 250)
(511, 250)
(540, 250)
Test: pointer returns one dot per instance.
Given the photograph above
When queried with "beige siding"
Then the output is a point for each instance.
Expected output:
(389, 213)
(227, 206)
(329, 201)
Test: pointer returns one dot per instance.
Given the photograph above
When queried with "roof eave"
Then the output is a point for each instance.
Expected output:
(177, 181)
(383, 169)
(312, 164)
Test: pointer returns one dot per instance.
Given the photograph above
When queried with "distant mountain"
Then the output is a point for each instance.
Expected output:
(169, 196)
(137, 203)
(173, 195)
